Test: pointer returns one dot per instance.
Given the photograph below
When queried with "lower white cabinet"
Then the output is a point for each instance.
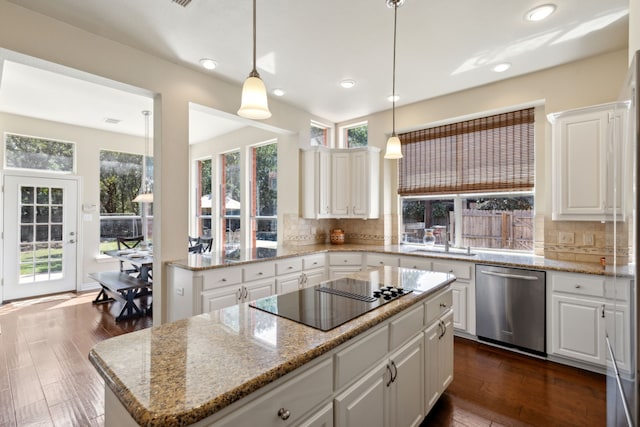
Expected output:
(463, 290)
(342, 264)
(363, 403)
(217, 298)
(580, 317)
(438, 358)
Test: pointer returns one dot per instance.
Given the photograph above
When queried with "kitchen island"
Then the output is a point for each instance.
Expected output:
(231, 366)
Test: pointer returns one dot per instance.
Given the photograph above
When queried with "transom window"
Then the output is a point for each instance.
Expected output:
(29, 152)
(356, 135)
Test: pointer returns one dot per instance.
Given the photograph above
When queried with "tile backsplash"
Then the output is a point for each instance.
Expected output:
(581, 241)
(584, 241)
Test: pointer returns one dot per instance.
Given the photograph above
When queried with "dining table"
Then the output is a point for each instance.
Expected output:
(141, 259)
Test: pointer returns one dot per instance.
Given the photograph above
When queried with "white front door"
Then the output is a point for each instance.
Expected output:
(40, 227)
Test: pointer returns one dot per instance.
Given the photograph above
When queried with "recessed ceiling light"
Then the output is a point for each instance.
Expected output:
(348, 84)
(541, 12)
(278, 92)
(501, 67)
(209, 64)
(390, 98)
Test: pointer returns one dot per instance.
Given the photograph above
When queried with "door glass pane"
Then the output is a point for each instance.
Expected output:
(26, 195)
(41, 251)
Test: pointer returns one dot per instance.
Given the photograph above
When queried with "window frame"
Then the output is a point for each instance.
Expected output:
(252, 175)
(328, 134)
(344, 133)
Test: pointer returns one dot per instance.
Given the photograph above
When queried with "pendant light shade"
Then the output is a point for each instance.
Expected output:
(254, 103)
(394, 148)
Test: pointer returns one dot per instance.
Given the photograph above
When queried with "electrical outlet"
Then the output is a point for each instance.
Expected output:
(180, 291)
(566, 238)
(588, 239)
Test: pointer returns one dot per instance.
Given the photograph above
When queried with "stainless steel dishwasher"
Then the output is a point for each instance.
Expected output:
(510, 307)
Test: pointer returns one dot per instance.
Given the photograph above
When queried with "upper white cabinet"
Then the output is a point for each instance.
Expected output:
(341, 183)
(583, 165)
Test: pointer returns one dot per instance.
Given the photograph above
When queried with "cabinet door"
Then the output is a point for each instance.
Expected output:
(617, 323)
(432, 339)
(459, 294)
(259, 289)
(216, 299)
(324, 183)
(579, 165)
(340, 184)
(363, 404)
(288, 283)
(577, 330)
(360, 183)
(406, 392)
(315, 277)
(445, 353)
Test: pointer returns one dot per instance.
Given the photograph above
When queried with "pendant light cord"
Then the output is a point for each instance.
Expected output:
(393, 90)
(254, 72)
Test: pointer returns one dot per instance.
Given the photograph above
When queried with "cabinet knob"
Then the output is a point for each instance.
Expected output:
(578, 286)
(284, 414)
(443, 305)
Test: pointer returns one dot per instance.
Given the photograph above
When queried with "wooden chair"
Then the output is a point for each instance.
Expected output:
(128, 243)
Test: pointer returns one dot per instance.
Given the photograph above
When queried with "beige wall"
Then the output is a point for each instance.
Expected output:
(634, 27)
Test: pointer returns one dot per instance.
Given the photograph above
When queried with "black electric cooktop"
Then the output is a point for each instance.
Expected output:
(329, 304)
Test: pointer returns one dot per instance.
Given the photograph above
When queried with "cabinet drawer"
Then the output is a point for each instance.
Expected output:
(221, 277)
(298, 396)
(313, 261)
(438, 305)
(376, 260)
(345, 259)
(286, 266)
(405, 327)
(259, 270)
(460, 270)
(619, 289)
(578, 284)
(360, 356)
(419, 263)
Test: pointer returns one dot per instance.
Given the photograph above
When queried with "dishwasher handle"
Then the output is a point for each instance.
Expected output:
(508, 276)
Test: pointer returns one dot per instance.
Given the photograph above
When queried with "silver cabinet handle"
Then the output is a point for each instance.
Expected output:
(390, 376)
(443, 305)
(508, 276)
(284, 414)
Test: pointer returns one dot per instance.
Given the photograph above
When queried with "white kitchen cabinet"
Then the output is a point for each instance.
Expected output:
(379, 260)
(416, 262)
(580, 315)
(300, 272)
(581, 179)
(438, 358)
(224, 289)
(340, 183)
(342, 264)
(391, 394)
(316, 182)
(289, 403)
(463, 293)
(354, 183)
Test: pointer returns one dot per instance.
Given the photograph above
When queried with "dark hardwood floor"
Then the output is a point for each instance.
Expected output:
(47, 380)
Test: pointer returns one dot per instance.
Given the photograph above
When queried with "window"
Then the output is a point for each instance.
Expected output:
(355, 135)
(264, 199)
(470, 182)
(230, 203)
(120, 181)
(27, 152)
(204, 198)
(320, 134)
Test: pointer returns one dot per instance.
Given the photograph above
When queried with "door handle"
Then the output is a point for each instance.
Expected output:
(508, 276)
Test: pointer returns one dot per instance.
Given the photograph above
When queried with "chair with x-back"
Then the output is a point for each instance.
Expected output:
(128, 243)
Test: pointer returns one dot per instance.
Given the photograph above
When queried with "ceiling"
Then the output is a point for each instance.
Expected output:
(307, 47)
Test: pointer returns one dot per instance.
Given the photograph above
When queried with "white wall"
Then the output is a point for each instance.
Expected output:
(174, 87)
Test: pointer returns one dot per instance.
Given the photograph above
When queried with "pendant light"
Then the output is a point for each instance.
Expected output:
(394, 150)
(146, 189)
(254, 94)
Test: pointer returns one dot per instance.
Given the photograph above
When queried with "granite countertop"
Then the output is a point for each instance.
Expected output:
(216, 260)
(181, 372)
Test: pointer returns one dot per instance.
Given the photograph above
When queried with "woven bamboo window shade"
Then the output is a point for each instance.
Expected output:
(487, 154)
